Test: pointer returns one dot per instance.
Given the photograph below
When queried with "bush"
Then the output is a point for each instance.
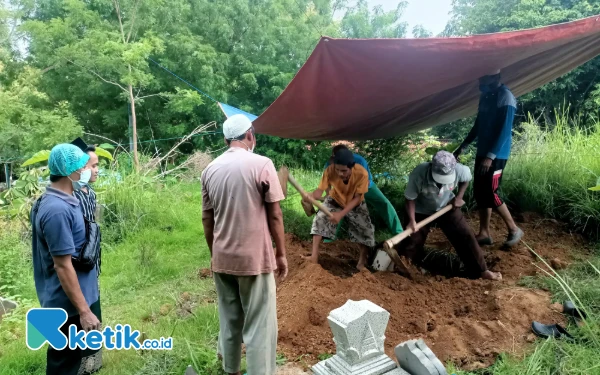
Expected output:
(15, 260)
(551, 171)
(133, 201)
(293, 152)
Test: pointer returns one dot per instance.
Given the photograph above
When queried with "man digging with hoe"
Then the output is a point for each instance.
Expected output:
(429, 190)
(379, 204)
(349, 182)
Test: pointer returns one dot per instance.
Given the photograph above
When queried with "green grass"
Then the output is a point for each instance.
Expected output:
(144, 275)
(295, 220)
(551, 170)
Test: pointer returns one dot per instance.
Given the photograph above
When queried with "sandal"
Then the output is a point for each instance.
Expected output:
(570, 309)
(485, 241)
(550, 330)
(514, 238)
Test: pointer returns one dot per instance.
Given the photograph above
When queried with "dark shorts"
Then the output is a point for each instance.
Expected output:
(485, 187)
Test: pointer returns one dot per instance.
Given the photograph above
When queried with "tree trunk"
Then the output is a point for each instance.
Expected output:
(136, 161)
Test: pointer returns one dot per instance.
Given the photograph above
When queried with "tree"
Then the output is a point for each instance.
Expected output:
(111, 50)
(419, 31)
(360, 22)
(29, 121)
(105, 56)
(240, 52)
(488, 16)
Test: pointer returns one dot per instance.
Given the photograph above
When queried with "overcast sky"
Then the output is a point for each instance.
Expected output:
(433, 14)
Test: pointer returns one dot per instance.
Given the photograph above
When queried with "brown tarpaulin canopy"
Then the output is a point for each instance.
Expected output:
(377, 88)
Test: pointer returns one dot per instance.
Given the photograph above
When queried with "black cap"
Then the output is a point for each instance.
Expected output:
(344, 157)
(81, 144)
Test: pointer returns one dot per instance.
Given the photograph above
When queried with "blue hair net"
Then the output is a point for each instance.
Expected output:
(66, 159)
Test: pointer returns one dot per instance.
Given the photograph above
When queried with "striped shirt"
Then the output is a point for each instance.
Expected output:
(87, 202)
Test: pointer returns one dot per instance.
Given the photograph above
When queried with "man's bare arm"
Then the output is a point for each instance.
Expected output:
(275, 221)
(410, 210)
(317, 194)
(458, 201)
(356, 200)
(462, 188)
(70, 284)
(208, 222)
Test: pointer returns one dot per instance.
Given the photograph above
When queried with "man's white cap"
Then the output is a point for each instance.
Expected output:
(235, 126)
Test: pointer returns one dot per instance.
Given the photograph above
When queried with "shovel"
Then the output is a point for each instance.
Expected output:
(388, 245)
(285, 176)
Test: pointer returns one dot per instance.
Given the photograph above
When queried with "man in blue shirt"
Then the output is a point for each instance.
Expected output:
(59, 233)
(493, 130)
(374, 197)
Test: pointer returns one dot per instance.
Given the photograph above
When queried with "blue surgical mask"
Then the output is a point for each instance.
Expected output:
(85, 176)
(84, 179)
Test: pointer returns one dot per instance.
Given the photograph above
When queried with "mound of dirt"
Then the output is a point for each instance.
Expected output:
(467, 321)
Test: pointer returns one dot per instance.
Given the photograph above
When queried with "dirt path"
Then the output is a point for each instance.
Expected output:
(467, 321)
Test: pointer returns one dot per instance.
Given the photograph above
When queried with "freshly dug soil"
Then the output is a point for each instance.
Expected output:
(467, 321)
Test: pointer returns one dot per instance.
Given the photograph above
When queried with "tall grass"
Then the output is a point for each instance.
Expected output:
(551, 169)
(294, 219)
(131, 203)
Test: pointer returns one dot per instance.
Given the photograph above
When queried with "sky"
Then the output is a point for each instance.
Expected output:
(432, 14)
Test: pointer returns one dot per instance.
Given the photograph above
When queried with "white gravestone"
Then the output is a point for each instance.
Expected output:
(359, 333)
(415, 357)
(6, 306)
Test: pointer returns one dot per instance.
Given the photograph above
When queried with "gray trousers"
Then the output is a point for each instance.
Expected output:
(248, 314)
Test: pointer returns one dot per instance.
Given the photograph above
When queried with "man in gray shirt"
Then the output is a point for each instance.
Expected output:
(430, 188)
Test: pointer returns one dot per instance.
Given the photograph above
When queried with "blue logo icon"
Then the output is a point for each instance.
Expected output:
(43, 325)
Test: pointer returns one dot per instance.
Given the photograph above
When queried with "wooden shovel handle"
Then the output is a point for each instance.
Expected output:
(389, 244)
(315, 202)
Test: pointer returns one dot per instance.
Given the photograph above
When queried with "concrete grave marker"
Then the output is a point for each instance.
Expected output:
(6, 306)
(432, 357)
(415, 357)
(359, 333)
